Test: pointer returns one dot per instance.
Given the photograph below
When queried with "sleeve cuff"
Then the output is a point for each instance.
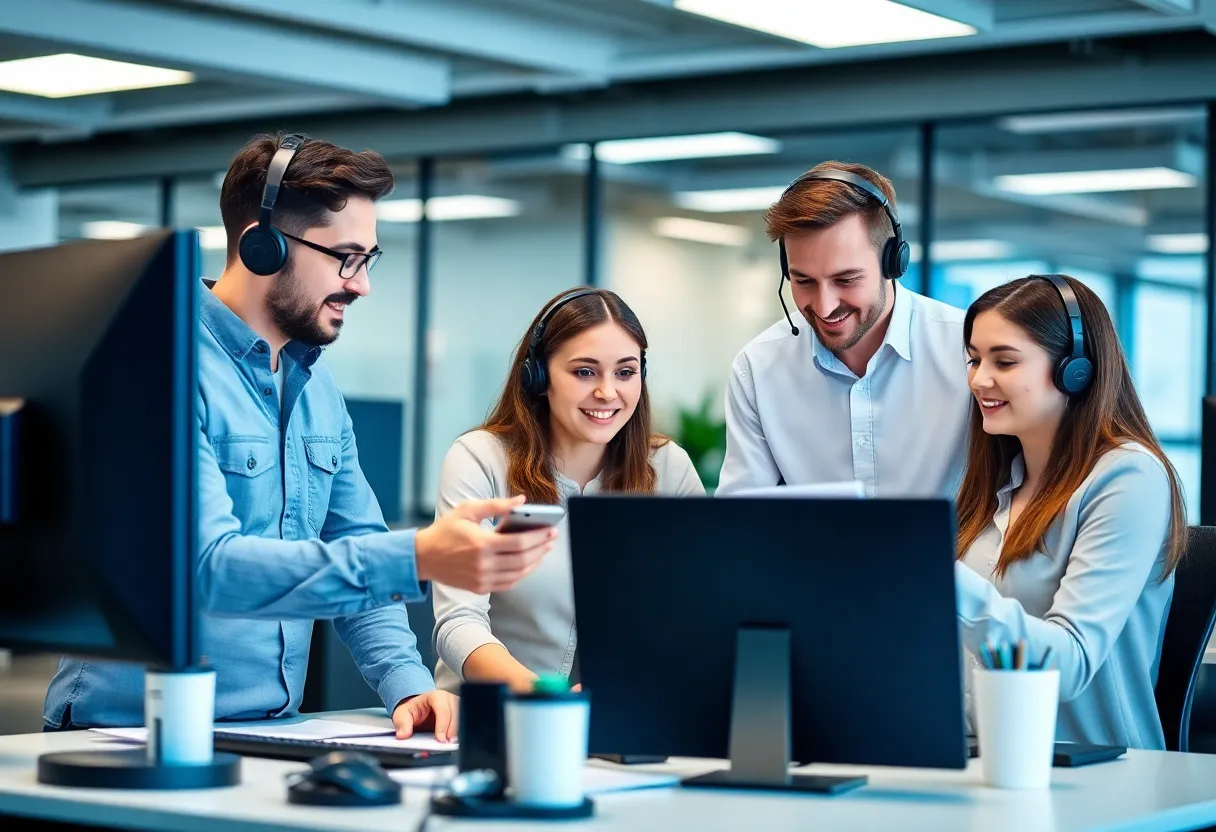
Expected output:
(390, 568)
(457, 642)
(404, 682)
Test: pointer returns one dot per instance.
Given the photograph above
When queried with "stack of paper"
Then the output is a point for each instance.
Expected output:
(309, 729)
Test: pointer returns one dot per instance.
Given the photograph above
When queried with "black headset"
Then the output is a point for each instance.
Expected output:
(895, 252)
(533, 376)
(263, 247)
(1075, 372)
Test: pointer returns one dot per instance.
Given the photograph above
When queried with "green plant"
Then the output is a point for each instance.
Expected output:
(703, 436)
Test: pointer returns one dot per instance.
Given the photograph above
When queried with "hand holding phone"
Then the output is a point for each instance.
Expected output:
(457, 550)
(531, 516)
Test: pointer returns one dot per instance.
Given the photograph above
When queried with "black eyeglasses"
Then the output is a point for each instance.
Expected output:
(351, 261)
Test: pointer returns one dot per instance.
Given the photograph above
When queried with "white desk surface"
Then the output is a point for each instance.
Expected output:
(1146, 790)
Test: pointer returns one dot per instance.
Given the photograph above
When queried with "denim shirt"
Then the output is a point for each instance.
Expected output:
(289, 532)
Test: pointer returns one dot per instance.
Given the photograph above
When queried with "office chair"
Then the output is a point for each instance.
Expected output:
(1187, 630)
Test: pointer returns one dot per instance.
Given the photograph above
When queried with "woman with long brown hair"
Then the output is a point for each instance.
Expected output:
(573, 418)
(1070, 516)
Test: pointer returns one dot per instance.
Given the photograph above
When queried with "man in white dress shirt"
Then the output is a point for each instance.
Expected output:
(874, 388)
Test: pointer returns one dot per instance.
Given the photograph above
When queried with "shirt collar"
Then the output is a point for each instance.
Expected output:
(899, 331)
(1017, 473)
(236, 337)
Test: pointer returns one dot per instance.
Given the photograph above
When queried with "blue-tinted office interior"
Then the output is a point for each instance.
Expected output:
(635, 145)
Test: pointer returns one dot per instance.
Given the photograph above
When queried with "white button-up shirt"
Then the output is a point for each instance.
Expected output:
(796, 414)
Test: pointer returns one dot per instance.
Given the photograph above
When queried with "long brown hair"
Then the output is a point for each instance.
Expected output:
(521, 420)
(1101, 418)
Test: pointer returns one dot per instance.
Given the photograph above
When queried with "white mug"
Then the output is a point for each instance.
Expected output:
(547, 748)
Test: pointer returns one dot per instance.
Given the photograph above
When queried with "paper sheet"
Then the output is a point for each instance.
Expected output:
(418, 742)
(309, 729)
(823, 490)
(598, 778)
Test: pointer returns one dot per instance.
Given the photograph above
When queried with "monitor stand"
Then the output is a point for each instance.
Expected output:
(152, 766)
(760, 721)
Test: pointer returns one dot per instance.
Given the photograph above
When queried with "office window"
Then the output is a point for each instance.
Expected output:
(685, 246)
(507, 235)
(196, 204)
(113, 210)
(1115, 199)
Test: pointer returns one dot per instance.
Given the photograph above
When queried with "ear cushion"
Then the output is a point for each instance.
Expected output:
(532, 377)
(1074, 375)
(895, 257)
(263, 251)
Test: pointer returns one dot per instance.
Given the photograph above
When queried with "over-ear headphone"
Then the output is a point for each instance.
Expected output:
(263, 248)
(533, 375)
(893, 260)
(1075, 372)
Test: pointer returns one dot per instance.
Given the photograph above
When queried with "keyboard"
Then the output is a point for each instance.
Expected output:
(276, 748)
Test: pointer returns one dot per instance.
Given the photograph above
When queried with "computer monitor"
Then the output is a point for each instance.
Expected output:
(98, 439)
(1207, 464)
(99, 376)
(769, 629)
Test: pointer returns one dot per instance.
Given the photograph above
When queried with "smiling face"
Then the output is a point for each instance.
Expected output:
(307, 300)
(594, 385)
(836, 281)
(1011, 378)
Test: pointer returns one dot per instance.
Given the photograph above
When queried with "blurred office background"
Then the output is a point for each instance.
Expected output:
(634, 144)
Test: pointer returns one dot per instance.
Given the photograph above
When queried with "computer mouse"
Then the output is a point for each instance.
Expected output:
(344, 778)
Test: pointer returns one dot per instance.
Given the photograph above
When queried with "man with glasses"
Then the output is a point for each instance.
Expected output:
(289, 529)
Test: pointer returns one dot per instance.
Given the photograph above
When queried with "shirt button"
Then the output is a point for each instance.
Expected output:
(265, 391)
(333, 460)
(251, 464)
(397, 596)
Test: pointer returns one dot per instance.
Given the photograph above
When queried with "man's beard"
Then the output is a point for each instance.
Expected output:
(865, 323)
(299, 318)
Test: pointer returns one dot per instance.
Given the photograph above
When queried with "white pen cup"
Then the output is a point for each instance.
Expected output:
(1015, 714)
(179, 710)
(546, 732)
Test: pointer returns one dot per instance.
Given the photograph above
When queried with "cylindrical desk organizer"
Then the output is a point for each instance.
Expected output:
(547, 747)
(1016, 725)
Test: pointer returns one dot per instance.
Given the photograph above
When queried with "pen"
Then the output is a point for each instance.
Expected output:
(1020, 660)
(1046, 659)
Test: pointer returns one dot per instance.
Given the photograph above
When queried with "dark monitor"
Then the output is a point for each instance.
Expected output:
(1207, 464)
(768, 629)
(98, 514)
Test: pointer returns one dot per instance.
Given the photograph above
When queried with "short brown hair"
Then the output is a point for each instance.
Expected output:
(320, 179)
(820, 203)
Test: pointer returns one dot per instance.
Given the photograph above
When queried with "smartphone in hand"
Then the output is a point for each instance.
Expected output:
(531, 516)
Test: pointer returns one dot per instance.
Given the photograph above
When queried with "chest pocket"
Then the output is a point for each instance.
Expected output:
(250, 465)
(324, 462)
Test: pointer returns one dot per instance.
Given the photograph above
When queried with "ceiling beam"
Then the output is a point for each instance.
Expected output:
(1054, 29)
(977, 13)
(883, 95)
(1169, 6)
(51, 112)
(481, 32)
(218, 46)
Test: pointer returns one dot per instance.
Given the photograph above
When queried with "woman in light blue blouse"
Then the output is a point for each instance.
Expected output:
(1070, 516)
